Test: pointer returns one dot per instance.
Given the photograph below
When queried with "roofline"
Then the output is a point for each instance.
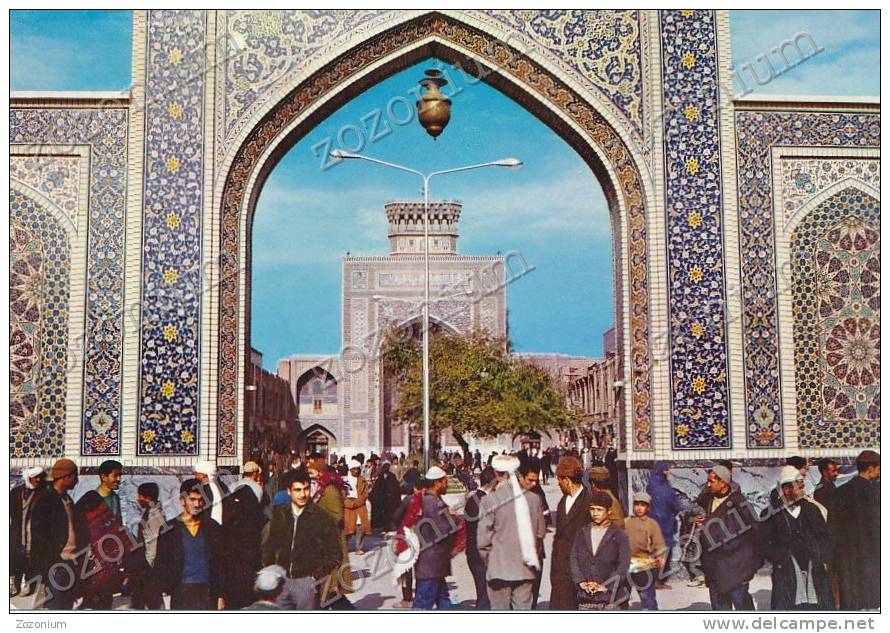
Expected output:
(24, 98)
(806, 102)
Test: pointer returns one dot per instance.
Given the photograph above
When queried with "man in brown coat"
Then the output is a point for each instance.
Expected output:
(571, 515)
(355, 506)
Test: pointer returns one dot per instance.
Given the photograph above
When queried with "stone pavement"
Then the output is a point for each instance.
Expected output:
(376, 589)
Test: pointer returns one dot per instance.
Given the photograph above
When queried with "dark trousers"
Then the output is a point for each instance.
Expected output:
(191, 597)
(98, 601)
(145, 591)
(536, 586)
(408, 587)
(645, 585)
(737, 597)
(477, 568)
(61, 587)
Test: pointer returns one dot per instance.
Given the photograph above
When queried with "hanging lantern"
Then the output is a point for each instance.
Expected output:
(433, 108)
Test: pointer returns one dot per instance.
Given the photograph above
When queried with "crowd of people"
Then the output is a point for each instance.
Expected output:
(280, 537)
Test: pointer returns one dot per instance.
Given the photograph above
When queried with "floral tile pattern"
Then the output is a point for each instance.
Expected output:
(836, 275)
(756, 133)
(39, 269)
(171, 248)
(105, 131)
(56, 177)
(693, 198)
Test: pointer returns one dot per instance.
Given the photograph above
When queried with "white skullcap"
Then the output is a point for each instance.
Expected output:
(269, 578)
(354, 463)
(33, 471)
(205, 467)
(789, 474)
(505, 463)
(434, 473)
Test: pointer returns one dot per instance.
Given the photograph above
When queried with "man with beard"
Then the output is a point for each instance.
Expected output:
(571, 515)
(215, 491)
(385, 498)
(328, 491)
(242, 534)
(729, 546)
(798, 544)
(826, 490)
(21, 501)
(510, 535)
(856, 522)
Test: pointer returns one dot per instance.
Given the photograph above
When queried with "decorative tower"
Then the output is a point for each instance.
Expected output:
(406, 227)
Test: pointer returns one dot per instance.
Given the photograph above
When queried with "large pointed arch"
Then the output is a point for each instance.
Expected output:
(534, 86)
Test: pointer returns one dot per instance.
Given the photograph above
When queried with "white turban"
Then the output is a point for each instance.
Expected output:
(505, 463)
(354, 463)
(28, 473)
(205, 467)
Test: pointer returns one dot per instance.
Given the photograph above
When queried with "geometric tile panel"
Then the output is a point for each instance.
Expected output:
(803, 178)
(756, 133)
(104, 130)
(171, 246)
(836, 274)
(693, 201)
(56, 177)
(39, 268)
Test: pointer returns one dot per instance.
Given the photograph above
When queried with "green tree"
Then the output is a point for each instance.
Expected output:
(476, 387)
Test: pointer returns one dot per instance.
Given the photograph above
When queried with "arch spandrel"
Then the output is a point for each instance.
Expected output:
(538, 89)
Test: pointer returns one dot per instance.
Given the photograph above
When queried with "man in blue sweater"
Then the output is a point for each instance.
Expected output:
(190, 555)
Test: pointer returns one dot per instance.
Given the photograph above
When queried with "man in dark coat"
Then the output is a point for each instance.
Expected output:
(856, 524)
(100, 511)
(798, 544)
(529, 478)
(571, 515)
(21, 502)
(385, 498)
(826, 489)
(242, 535)
(664, 509)
(305, 541)
(411, 477)
(474, 558)
(730, 555)
(436, 531)
(191, 557)
(54, 536)
(600, 559)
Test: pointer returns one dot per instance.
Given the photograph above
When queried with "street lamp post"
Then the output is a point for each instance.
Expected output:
(510, 163)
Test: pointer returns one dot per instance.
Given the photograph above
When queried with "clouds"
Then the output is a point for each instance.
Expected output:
(848, 65)
(70, 50)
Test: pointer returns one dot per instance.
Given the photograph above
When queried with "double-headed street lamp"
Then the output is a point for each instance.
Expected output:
(510, 163)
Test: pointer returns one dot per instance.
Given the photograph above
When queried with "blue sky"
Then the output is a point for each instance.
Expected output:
(552, 211)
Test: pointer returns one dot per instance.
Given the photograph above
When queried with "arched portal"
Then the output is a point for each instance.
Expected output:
(536, 87)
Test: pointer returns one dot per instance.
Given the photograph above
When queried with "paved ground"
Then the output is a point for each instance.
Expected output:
(376, 589)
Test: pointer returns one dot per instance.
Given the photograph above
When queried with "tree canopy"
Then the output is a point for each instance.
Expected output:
(477, 388)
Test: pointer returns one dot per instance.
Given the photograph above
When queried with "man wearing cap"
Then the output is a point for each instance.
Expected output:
(798, 544)
(510, 528)
(54, 541)
(21, 502)
(730, 555)
(242, 535)
(856, 524)
(600, 559)
(385, 498)
(436, 531)
(647, 550)
(213, 488)
(355, 505)
(267, 586)
(571, 515)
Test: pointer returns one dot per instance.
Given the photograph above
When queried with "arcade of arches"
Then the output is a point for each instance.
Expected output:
(746, 233)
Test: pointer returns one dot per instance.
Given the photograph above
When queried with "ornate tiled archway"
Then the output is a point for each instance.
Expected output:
(538, 88)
